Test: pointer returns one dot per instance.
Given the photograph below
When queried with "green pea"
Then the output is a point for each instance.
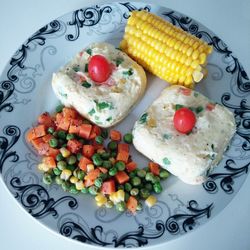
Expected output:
(70, 137)
(84, 190)
(112, 145)
(127, 195)
(149, 176)
(144, 193)
(65, 186)
(112, 171)
(105, 155)
(93, 190)
(139, 206)
(146, 169)
(61, 134)
(164, 174)
(55, 134)
(58, 180)
(51, 130)
(57, 171)
(135, 181)
(103, 176)
(80, 175)
(127, 186)
(121, 206)
(104, 133)
(64, 145)
(120, 187)
(113, 154)
(73, 189)
(132, 174)
(78, 156)
(71, 167)
(134, 191)
(59, 157)
(149, 186)
(59, 108)
(128, 138)
(61, 165)
(141, 173)
(156, 179)
(157, 187)
(61, 142)
(120, 165)
(97, 160)
(82, 141)
(47, 179)
(107, 164)
(109, 204)
(53, 142)
(71, 159)
(99, 139)
(98, 182)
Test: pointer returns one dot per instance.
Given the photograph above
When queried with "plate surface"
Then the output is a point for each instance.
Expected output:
(25, 92)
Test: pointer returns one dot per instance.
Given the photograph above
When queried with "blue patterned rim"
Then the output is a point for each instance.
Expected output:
(39, 201)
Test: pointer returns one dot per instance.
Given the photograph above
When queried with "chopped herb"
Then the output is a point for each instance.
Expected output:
(109, 119)
(118, 48)
(129, 72)
(178, 106)
(86, 67)
(143, 118)
(97, 117)
(199, 109)
(118, 61)
(63, 95)
(86, 84)
(104, 105)
(89, 51)
(212, 147)
(166, 161)
(76, 68)
(167, 136)
(212, 157)
(99, 123)
(196, 94)
(91, 112)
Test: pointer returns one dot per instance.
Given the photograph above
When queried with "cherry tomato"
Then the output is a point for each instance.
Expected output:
(99, 68)
(184, 120)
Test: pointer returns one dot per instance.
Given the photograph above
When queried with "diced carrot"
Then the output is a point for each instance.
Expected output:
(74, 146)
(154, 168)
(47, 137)
(122, 156)
(31, 135)
(41, 146)
(53, 152)
(132, 204)
(131, 166)
(88, 183)
(108, 187)
(210, 106)
(75, 125)
(69, 113)
(59, 117)
(84, 161)
(37, 143)
(46, 120)
(40, 130)
(97, 146)
(77, 121)
(115, 135)
(121, 177)
(91, 177)
(88, 150)
(64, 124)
(123, 147)
(85, 130)
(49, 161)
(103, 170)
(95, 132)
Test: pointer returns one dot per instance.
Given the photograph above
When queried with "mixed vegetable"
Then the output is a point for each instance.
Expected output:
(75, 157)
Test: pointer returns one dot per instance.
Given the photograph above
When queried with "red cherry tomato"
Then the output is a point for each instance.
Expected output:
(184, 120)
(99, 68)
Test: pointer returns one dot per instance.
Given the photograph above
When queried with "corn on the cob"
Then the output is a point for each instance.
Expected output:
(164, 49)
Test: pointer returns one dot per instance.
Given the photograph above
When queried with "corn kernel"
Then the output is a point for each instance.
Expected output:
(150, 201)
(65, 152)
(120, 195)
(90, 167)
(73, 179)
(43, 167)
(66, 173)
(79, 185)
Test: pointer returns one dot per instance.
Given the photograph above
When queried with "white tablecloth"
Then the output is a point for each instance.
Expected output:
(229, 19)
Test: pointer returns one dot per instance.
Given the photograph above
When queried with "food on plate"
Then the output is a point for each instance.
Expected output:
(101, 82)
(164, 49)
(185, 133)
(75, 157)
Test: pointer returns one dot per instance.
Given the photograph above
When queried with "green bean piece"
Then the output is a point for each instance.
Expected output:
(61, 165)
(157, 187)
(135, 181)
(149, 186)
(103, 176)
(121, 206)
(99, 139)
(47, 178)
(58, 180)
(104, 133)
(164, 174)
(141, 173)
(139, 206)
(61, 134)
(113, 171)
(59, 157)
(120, 165)
(107, 164)
(51, 130)
(97, 160)
(70, 137)
(127, 195)
(93, 190)
(71, 167)
(84, 190)
(71, 159)
(57, 171)
(53, 142)
(59, 108)
(65, 186)
(109, 204)
(128, 138)
(78, 156)
(112, 145)
(134, 191)
(105, 155)
(127, 186)
(73, 189)
(156, 179)
(120, 187)
(144, 193)
(80, 175)
(98, 182)
(149, 177)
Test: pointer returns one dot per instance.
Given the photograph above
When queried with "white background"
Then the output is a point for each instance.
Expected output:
(230, 20)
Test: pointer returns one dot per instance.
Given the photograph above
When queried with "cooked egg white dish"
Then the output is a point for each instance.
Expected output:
(189, 156)
(105, 103)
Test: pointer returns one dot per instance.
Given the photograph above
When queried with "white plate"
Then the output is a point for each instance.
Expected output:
(25, 92)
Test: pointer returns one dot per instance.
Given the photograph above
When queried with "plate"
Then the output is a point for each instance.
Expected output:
(25, 92)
